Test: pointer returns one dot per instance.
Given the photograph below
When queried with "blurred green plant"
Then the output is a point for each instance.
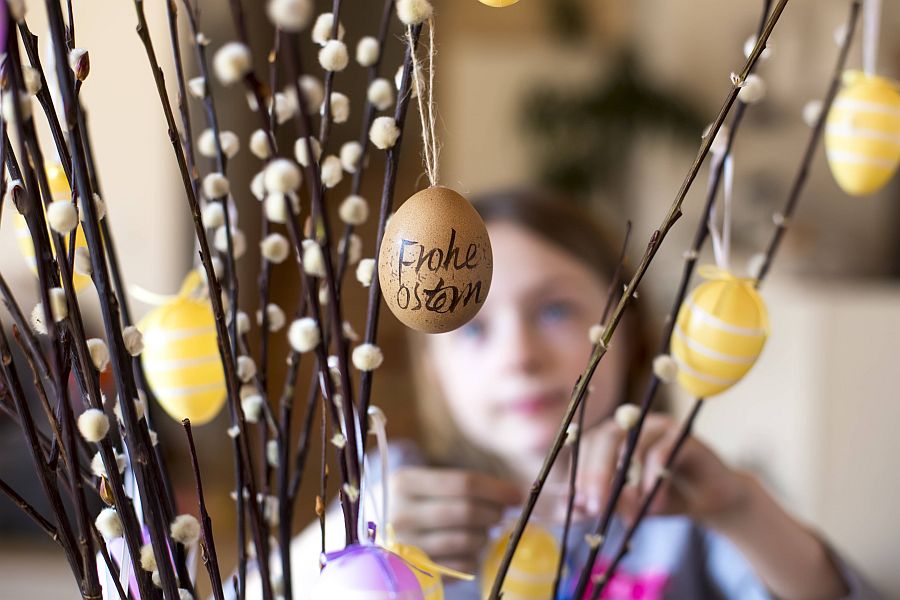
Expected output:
(583, 139)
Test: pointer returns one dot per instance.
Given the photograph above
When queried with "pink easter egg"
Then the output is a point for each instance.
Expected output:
(363, 572)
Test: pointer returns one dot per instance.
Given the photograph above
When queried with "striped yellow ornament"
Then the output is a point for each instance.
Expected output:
(862, 133)
(427, 572)
(498, 3)
(181, 355)
(719, 334)
(533, 567)
(59, 190)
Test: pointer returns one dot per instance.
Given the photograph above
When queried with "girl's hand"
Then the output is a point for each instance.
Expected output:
(700, 485)
(448, 513)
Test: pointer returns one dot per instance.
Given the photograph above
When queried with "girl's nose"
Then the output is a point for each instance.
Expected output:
(518, 347)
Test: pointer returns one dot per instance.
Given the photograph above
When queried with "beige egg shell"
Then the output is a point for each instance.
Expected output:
(435, 263)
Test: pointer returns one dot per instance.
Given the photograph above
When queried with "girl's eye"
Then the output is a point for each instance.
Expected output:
(473, 330)
(556, 311)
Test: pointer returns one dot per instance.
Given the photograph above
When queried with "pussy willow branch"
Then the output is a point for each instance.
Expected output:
(32, 513)
(392, 161)
(691, 257)
(207, 544)
(614, 286)
(793, 197)
(325, 122)
(368, 117)
(656, 240)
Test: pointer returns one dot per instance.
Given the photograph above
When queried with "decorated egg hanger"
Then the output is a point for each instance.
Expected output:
(435, 262)
(862, 135)
(723, 325)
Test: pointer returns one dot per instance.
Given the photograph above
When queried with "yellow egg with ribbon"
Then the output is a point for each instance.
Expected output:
(720, 331)
(181, 355)
(862, 133)
(533, 568)
(59, 191)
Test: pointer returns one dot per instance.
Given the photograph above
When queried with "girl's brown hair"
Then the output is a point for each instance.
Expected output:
(576, 231)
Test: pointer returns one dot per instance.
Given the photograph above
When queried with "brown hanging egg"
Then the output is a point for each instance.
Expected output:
(435, 263)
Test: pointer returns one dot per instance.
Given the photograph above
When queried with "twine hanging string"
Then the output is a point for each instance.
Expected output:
(721, 238)
(425, 98)
(871, 31)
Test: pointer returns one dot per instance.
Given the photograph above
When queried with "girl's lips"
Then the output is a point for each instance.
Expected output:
(533, 404)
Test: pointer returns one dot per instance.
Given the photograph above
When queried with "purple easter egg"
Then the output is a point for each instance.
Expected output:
(363, 572)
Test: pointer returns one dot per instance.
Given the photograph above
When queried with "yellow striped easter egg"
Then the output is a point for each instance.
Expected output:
(427, 572)
(59, 190)
(533, 567)
(720, 332)
(181, 356)
(862, 133)
(498, 3)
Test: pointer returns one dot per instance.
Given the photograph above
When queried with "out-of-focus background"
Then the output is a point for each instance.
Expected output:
(605, 99)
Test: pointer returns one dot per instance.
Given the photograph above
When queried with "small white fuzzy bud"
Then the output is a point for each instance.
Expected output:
(755, 265)
(32, 80)
(185, 530)
(197, 87)
(140, 409)
(380, 93)
(231, 143)
(206, 143)
(812, 110)
(215, 185)
(154, 437)
(282, 176)
(59, 308)
(37, 319)
(99, 470)
(109, 524)
(80, 62)
(83, 261)
(259, 144)
(313, 259)
(414, 86)
(252, 407)
(183, 594)
(303, 334)
(9, 114)
(778, 219)
(238, 241)
(246, 368)
(62, 216)
(365, 270)
(284, 108)
(272, 453)
(321, 31)
(594, 540)
(213, 215)
(367, 51)
(351, 491)
(334, 56)
(275, 248)
(367, 357)
(595, 333)
(351, 153)
(93, 424)
(665, 368)
(384, 132)
(750, 44)
(301, 150)
(349, 332)
(276, 208)
(233, 432)
(414, 12)
(275, 316)
(258, 186)
(290, 15)
(218, 268)
(232, 62)
(627, 416)
(753, 91)
(313, 91)
(332, 171)
(243, 323)
(148, 560)
(354, 252)
(338, 441)
(201, 39)
(99, 353)
(354, 210)
(340, 107)
(324, 294)
(571, 434)
(736, 80)
(134, 340)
